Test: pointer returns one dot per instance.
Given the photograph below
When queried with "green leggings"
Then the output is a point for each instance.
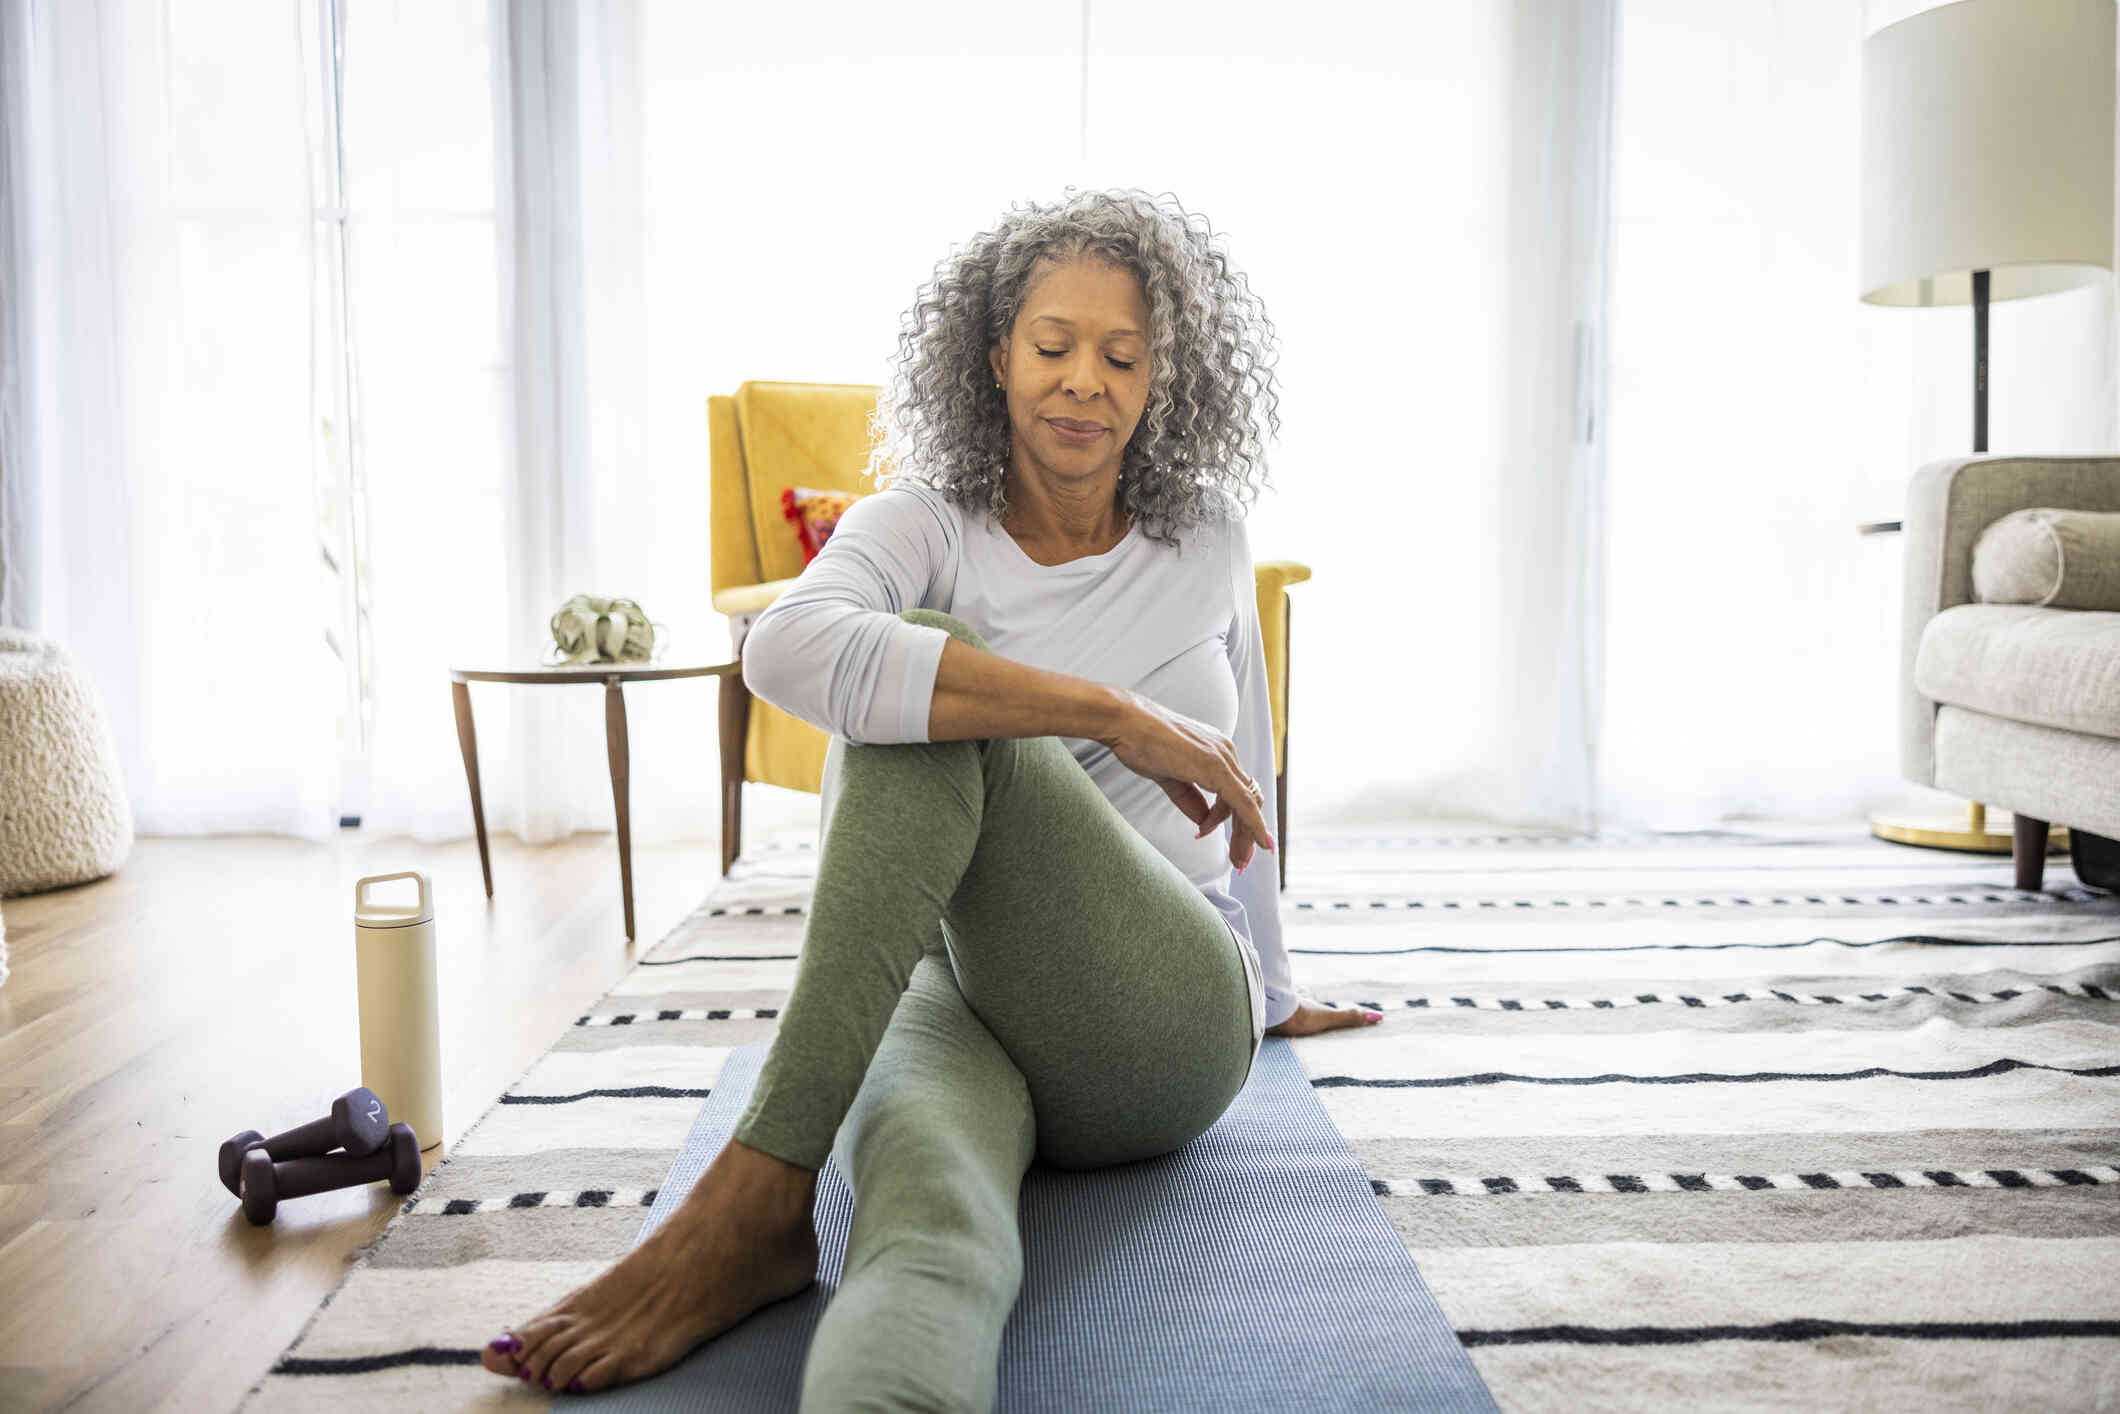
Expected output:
(996, 964)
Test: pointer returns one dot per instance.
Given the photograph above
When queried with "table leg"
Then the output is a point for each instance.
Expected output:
(615, 738)
(467, 739)
(735, 724)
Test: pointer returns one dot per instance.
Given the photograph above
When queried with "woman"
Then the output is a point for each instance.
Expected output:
(1019, 943)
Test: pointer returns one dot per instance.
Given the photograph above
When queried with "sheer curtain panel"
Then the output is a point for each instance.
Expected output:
(155, 442)
(495, 295)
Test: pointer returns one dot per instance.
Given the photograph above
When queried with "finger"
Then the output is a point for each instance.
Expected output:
(1250, 807)
(1264, 828)
(1253, 824)
(1213, 819)
(1187, 797)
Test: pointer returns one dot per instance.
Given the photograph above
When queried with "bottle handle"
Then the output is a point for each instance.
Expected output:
(360, 889)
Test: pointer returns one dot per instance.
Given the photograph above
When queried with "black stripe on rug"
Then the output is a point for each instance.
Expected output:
(2089, 991)
(1748, 1182)
(1703, 1077)
(718, 957)
(1790, 901)
(579, 1198)
(631, 1092)
(719, 1013)
(364, 1364)
(1794, 1330)
(1724, 947)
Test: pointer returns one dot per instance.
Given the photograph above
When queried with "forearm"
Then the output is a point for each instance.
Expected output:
(980, 694)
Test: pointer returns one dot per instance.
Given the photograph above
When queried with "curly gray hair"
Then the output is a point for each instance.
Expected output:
(943, 424)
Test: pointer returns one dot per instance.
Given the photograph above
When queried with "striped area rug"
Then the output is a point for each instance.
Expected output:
(1708, 1122)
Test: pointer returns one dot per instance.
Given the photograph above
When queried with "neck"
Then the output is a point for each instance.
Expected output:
(1083, 515)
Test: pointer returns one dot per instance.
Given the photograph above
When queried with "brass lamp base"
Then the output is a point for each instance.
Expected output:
(1979, 830)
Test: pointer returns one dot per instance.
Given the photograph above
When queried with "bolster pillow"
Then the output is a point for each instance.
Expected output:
(2045, 555)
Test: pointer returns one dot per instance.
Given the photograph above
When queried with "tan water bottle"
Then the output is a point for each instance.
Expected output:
(401, 1041)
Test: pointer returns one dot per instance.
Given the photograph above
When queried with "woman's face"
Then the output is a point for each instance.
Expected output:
(1078, 353)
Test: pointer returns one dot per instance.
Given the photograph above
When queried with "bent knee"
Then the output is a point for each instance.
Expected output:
(949, 623)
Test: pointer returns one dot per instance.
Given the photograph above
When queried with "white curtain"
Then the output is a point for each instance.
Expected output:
(178, 392)
(157, 444)
(431, 397)
(498, 303)
(1760, 411)
(21, 488)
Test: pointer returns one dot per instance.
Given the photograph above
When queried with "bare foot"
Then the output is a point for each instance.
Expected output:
(741, 1239)
(1312, 1017)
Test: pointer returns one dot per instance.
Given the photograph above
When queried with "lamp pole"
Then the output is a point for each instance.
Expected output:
(1980, 316)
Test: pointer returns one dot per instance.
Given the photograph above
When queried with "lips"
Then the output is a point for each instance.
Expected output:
(1076, 426)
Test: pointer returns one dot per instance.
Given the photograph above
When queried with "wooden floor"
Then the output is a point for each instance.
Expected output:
(208, 988)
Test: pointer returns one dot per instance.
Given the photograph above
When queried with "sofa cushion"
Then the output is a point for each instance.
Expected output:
(2063, 559)
(2052, 667)
(815, 515)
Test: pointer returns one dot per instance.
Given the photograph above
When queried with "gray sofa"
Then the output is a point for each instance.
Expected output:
(2011, 705)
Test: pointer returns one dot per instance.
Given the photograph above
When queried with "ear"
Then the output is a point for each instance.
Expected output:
(998, 362)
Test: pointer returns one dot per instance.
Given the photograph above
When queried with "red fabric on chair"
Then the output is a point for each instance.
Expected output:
(815, 514)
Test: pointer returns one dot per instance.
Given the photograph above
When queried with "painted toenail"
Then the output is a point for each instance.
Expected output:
(577, 1387)
(546, 1380)
(523, 1372)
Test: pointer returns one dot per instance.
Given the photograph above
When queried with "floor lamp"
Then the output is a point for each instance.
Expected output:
(1987, 174)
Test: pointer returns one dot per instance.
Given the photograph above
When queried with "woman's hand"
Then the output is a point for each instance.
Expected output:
(1189, 759)
(1310, 1017)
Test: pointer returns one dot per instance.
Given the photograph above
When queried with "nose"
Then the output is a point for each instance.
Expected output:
(1081, 377)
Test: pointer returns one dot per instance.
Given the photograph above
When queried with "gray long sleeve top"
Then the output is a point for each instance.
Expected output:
(1179, 625)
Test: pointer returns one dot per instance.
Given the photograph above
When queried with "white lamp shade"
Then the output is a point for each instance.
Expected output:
(1987, 144)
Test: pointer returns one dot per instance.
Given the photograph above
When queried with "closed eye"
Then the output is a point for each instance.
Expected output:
(1056, 353)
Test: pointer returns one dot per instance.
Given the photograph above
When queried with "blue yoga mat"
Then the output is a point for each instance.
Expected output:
(1252, 1269)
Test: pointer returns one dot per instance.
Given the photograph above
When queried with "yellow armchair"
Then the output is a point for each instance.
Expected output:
(770, 436)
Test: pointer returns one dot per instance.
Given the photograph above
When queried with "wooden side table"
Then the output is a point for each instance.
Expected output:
(613, 676)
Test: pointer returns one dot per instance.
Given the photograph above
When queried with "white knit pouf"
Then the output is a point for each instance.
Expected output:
(63, 813)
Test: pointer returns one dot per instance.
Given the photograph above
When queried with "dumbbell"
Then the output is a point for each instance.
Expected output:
(357, 1123)
(264, 1183)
